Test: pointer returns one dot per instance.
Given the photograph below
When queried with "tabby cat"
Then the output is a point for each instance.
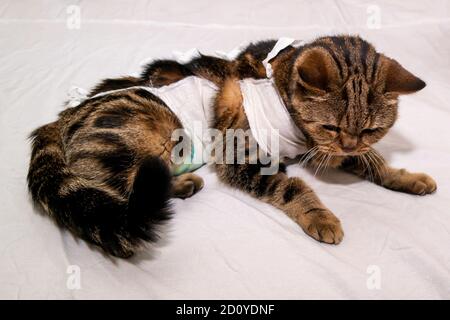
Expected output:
(103, 169)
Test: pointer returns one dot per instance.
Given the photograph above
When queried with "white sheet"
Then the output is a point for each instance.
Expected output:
(222, 243)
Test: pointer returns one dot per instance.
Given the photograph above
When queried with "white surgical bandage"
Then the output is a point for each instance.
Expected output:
(192, 100)
(266, 113)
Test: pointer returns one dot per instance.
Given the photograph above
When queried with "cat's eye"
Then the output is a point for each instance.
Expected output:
(370, 130)
(330, 127)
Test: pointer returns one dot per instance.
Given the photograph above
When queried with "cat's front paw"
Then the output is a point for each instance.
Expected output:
(422, 184)
(414, 183)
(323, 226)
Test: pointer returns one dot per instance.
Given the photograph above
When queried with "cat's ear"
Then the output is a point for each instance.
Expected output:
(317, 70)
(397, 79)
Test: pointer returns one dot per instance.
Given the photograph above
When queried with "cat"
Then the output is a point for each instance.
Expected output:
(103, 169)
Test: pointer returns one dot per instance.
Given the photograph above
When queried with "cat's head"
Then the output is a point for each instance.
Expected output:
(344, 94)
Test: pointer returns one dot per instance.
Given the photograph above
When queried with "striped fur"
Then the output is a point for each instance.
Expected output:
(102, 169)
(344, 97)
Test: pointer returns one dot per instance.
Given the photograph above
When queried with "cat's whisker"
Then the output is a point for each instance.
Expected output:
(304, 157)
(367, 166)
(378, 162)
(322, 158)
(317, 163)
(371, 168)
(362, 160)
(379, 158)
(311, 157)
(312, 151)
(308, 156)
(373, 165)
(325, 163)
(313, 154)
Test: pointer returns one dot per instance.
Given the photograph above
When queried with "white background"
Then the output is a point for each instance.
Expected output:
(222, 243)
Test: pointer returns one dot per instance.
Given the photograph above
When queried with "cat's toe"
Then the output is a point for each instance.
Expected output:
(413, 183)
(185, 189)
(421, 184)
(425, 184)
(186, 185)
(325, 227)
(198, 182)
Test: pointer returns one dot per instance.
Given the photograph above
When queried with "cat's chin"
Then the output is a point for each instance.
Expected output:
(333, 160)
(346, 154)
(336, 161)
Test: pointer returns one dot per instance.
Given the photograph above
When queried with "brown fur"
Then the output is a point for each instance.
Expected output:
(186, 185)
(94, 168)
(341, 93)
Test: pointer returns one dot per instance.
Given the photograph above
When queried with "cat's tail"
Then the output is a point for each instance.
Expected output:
(164, 72)
(116, 224)
(247, 64)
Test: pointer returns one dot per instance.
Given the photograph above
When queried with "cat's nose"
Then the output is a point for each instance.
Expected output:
(348, 143)
(348, 149)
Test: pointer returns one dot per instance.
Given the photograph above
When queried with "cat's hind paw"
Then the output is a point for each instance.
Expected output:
(186, 185)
